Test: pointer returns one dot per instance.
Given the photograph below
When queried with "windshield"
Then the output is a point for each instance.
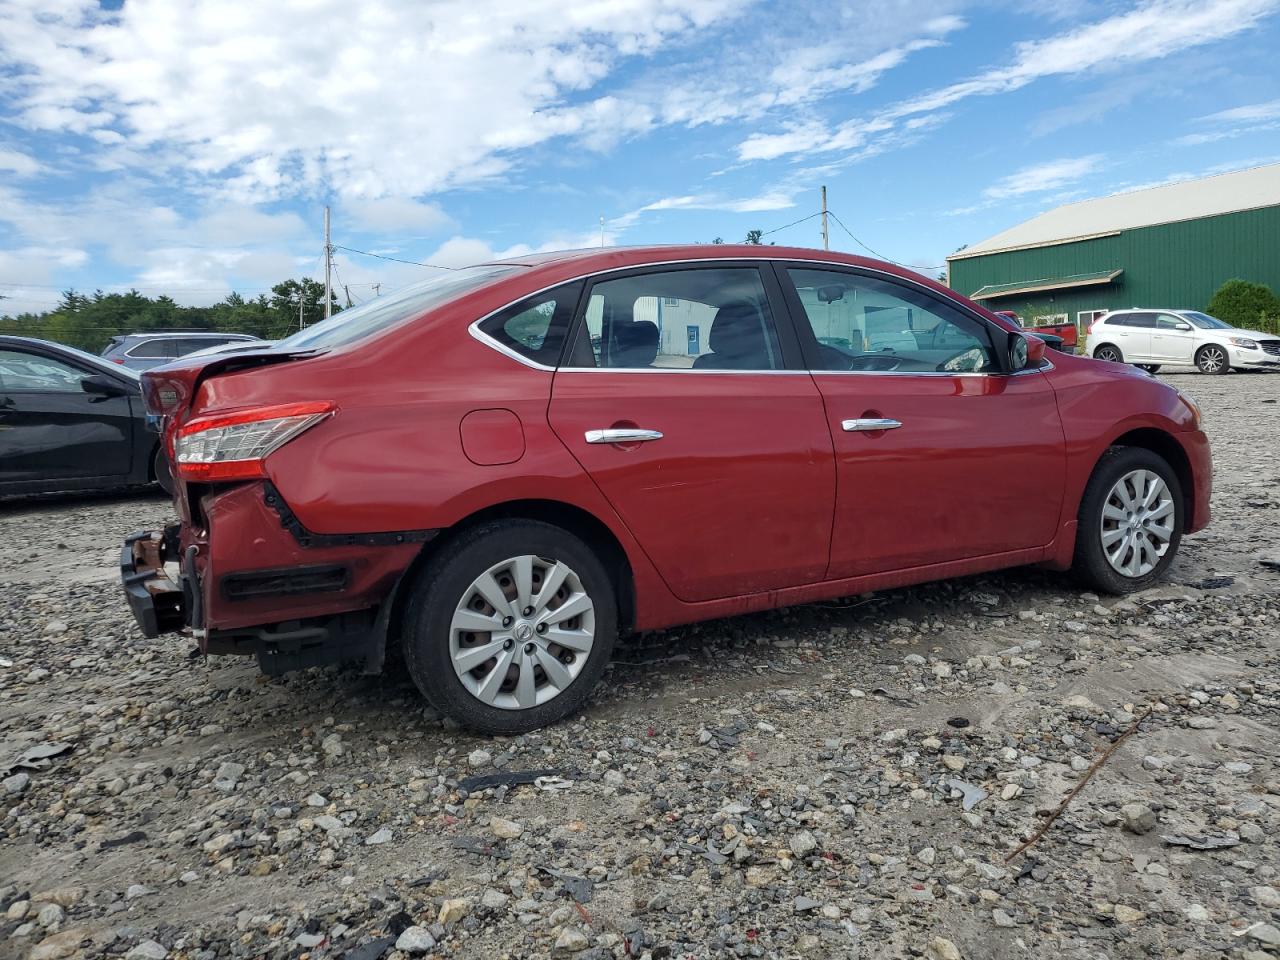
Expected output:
(382, 312)
(1204, 321)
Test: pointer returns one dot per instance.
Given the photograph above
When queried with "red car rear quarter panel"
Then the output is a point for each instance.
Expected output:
(1095, 399)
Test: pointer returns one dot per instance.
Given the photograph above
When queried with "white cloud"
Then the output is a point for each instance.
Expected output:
(1154, 30)
(1052, 175)
(395, 215)
(18, 163)
(1236, 122)
(373, 98)
(1249, 113)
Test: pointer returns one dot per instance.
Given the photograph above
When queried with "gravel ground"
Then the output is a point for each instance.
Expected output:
(787, 784)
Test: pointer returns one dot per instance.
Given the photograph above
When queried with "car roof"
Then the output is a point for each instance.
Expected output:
(185, 334)
(48, 346)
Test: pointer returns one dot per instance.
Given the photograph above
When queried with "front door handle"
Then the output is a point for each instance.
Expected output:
(868, 424)
(622, 435)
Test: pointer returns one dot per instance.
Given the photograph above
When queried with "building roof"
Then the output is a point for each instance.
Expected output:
(1045, 283)
(1169, 203)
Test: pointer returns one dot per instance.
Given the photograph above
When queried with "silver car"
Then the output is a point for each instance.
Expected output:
(142, 351)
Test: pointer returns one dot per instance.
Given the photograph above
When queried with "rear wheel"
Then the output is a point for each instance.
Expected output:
(1149, 367)
(510, 626)
(1108, 353)
(160, 470)
(1212, 358)
(1130, 521)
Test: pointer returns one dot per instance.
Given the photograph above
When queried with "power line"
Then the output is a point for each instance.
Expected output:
(911, 266)
(413, 263)
(792, 223)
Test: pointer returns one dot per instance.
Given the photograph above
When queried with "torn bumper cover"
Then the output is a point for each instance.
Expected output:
(156, 601)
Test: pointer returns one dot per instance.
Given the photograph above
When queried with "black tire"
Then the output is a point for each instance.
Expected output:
(1090, 563)
(1109, 352)
(442, 584)
(1152, 368)
(1213, 359)
(160, 470)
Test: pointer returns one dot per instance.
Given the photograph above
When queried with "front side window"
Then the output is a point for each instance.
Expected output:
(707, 318)
(1167, 321)
(29, 372)
(535, 328)
(868, 324)
(1206, 322)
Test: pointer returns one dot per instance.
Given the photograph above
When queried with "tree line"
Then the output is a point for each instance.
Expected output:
(89, 321)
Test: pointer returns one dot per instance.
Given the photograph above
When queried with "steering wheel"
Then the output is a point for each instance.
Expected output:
(874, 361)
(955, 363)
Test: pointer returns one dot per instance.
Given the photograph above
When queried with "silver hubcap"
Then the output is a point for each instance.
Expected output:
(1109, 355)
(1137, 523)
(522, 632)
(1211, 360)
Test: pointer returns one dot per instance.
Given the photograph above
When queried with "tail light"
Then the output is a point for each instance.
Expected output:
(235, 445)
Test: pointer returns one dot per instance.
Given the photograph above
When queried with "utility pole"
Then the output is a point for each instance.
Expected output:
(825, 244)
(602, 230)
(328, 265)
(377, 289)
(347, 291)
(302, 300)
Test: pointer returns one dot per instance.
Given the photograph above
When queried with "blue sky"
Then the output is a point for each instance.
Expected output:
(188, 148)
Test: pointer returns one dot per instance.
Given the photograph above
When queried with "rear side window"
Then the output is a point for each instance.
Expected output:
(705, 318)
(397, 307)
(151, 349)
(1146, 320)
(535, 327)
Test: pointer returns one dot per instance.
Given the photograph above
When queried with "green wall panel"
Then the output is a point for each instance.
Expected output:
(1173, 265)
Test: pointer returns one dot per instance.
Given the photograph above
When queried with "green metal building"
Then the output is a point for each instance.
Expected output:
(1167, 246)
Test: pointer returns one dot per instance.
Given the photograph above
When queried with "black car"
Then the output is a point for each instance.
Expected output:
(71, 421)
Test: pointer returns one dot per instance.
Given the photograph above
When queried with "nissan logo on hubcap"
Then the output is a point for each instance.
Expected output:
(524, 632)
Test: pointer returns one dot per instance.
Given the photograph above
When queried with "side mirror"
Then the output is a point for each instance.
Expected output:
(102, 386)
(1025, 351)
(1182, 326)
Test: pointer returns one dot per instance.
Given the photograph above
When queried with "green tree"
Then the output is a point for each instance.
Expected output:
(1243, 303)
(755, 237)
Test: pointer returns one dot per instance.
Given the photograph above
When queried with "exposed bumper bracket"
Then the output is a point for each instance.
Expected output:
(155, 600)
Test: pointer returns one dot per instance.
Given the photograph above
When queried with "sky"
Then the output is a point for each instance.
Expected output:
(189, 147)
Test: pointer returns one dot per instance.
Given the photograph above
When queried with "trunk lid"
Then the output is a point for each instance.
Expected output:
(169, 390)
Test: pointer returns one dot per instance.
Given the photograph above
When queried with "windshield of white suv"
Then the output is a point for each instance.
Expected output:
(1204, 321)
(403, 304)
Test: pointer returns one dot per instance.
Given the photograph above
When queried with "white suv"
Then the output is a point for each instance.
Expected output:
(1151, 338)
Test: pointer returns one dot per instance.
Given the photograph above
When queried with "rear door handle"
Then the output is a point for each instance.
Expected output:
(869, 423)
(622, 435)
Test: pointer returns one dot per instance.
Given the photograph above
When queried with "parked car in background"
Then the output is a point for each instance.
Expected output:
(1058, 336)
(501, 468)
(71, 421)
(1152, 338)
(142, 351)
(233, 346)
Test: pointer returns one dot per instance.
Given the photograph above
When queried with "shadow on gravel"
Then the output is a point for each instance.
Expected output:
(17, 503)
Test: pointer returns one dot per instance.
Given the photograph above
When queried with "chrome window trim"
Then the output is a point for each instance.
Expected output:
(474, 327)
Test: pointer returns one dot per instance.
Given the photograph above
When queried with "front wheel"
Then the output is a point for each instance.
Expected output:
(1108, 353)
(1213, 359)
(1130, 521)
(510, 626)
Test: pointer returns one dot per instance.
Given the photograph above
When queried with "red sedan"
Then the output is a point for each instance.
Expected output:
(503, 467)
